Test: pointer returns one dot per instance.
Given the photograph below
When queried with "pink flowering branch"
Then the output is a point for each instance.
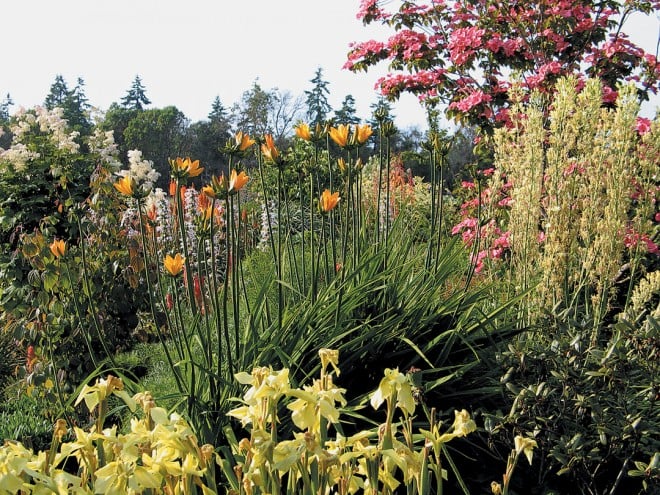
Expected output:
(460, 54)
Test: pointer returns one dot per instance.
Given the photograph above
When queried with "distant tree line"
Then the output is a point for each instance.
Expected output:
(163, 133)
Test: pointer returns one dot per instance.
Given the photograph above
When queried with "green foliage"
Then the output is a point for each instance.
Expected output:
(160, 134)
(12, 357)
(24, 419)
(591, 406)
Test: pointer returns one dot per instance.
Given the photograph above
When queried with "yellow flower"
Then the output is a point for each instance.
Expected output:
(394, 385)
(329, 357)
(341, 163)
(237, 181)
(339, 134)
(526, 446)
(183, 168)
(361, 133)
(328, 201)
(93, 395)
(208, 192)
(218, 188)
(58, 248)
(125, 185)
(269, 149)
(174, 265)
(303, 132)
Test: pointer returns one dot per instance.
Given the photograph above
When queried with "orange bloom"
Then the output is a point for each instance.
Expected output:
(208, 191)
(362, 133)
(58, 248)
(303, 132)
(339, 134)
(174, 265)
(203, 201)
(172, 187)
(243, 141)
(328, 201)
(237, 181)
(218, 187)
(183, 168)
(125, 185)
(269, 149)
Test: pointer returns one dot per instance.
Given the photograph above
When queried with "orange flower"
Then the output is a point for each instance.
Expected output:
(172, 187)
(328, 201)
(125, 185)
(208, 192)
(361, 133)
(237, 181)
(303, 132)
(174, 265)
(203, 201)
(243, 141)
(184, 168)
(58, 248)
(339, 134)
(218, 187)
(269, 149)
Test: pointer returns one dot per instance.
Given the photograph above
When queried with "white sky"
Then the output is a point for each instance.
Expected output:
(187, 52)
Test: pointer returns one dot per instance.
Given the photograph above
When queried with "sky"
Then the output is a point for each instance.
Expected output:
(188, 52)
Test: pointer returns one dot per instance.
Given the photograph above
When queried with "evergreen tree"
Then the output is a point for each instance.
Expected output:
(136, 98)
(381, 111)
(347, 113)
(206, 139)
(318, 107)
(4, 109)
(5, 135)
(59, 92)
(73, 103)
(218, 111)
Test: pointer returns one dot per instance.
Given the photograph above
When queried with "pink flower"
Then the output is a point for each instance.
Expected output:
(643, 125)
(472, 100)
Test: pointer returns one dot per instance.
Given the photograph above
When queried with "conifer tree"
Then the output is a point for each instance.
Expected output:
(136, 98)
(347, 113)
(318, 107)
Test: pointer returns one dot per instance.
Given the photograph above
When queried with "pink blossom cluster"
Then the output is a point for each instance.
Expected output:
(463, 43)
(634, 240)
(395, 83)
(364, 51)
(643, 125)
(495, 241)
(479, 41)
(370, 11)
(408, 44)
(507, 46)
(551, 68)
(475, 98)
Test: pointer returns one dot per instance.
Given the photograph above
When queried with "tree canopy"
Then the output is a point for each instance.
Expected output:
(465, 54)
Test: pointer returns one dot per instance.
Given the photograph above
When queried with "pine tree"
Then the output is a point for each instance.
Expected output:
(218, 111)
(318, 107)
(4, 108)
(136, 98)
(59, 92)
(347, 113)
